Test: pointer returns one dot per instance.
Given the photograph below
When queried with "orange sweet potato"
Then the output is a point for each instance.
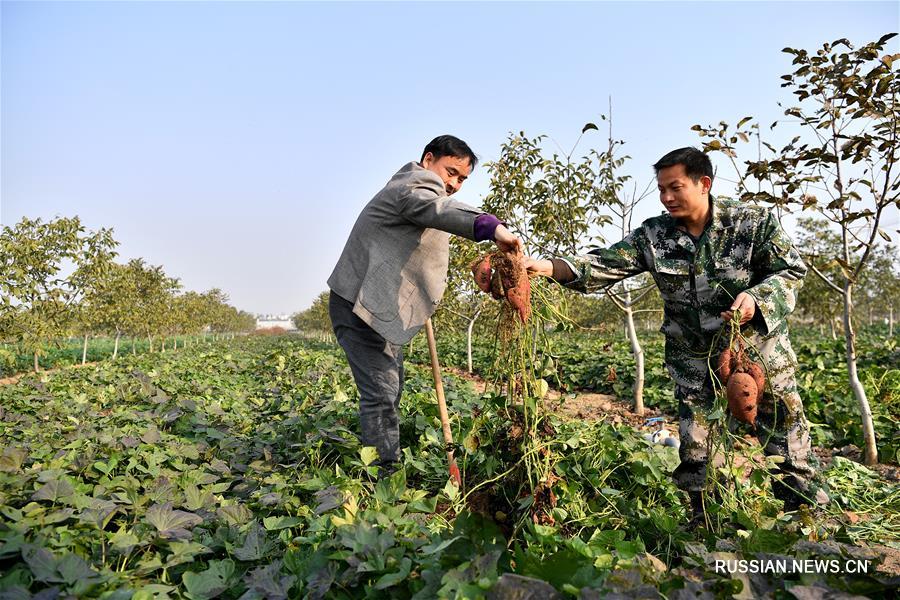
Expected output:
(497, 289)
(520, 298)
(742, 397)
(756, 371)
(724, 366)
(481, 270)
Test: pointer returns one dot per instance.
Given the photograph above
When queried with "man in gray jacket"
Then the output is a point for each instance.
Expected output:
(392, 274)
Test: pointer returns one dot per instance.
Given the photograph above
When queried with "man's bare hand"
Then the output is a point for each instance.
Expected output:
(745, 303)
(537, 266)
(506, 241)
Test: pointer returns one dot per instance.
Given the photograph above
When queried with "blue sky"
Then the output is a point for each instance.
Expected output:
(235, 143)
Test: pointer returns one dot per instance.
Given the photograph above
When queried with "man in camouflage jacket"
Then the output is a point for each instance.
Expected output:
(709, 258)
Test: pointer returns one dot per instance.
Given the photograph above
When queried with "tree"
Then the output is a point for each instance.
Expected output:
(37, 300)
(815, 302)
(842, 164)
(151, 292)
(628, 293)
(315, 318)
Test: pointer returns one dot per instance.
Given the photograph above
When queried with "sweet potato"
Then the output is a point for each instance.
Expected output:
(498, 292)
(724, 366)
(756, 371)
(481, 270)
(742, 397)
(520, 298)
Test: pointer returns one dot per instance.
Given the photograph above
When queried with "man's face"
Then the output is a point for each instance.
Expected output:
(683, 197)
(452, 170)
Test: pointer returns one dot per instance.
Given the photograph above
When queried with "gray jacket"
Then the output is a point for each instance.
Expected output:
(394, 264)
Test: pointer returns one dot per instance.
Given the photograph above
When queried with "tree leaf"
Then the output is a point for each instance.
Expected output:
(588, 126)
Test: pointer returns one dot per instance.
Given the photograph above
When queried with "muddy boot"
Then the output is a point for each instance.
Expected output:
(813, 495)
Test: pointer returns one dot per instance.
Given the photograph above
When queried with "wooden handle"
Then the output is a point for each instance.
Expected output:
(442, 402)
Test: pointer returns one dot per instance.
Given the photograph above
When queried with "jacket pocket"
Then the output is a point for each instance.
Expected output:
(384, 292)
(673, 278)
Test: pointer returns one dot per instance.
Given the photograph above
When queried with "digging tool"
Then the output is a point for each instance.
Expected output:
(442, 403)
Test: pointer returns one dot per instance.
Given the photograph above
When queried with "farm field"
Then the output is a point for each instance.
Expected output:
(234, 471)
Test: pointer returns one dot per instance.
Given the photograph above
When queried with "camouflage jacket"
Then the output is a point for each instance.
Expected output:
(743, 248)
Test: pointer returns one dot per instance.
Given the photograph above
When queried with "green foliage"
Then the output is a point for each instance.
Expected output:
(37, 300)
(235, 471)
(316, 317)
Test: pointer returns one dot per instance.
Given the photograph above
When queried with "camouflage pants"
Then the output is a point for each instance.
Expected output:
(781, 429)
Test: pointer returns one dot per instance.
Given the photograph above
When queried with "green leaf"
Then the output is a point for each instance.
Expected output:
(328, 499)
(209, 583)
(256, 546)
(41, 562)
(390, 489)
(266, 582)
(12, 459)
(124, 540)
(368, 454)
(588, 127)
(392, 579)
(54, 490)
(73, 569)
(768, 540)
(153, 591)
(170, 523)
(236, 514)
(276, 523)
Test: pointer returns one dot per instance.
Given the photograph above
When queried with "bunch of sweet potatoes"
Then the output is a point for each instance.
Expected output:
(503, 275)
(744, 382)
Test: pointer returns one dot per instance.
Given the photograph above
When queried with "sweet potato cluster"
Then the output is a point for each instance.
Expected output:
(744, 382)
(503, 275)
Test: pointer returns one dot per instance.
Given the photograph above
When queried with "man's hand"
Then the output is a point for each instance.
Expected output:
(745, 303)
(537, 266)
(506, 241)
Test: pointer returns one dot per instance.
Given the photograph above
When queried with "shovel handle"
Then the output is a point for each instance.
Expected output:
(442, 402)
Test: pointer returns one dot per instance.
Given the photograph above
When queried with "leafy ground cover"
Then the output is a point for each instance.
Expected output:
(604, 364)
(69, 352)
(235, 472)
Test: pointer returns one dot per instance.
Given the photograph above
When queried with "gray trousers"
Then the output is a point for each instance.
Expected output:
(377, 367)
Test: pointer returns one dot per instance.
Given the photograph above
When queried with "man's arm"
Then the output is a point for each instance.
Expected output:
(783, 270)
(598, 269)
(426, 205)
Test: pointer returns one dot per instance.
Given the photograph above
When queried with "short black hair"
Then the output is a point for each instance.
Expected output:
(696, 163)
(448, 145)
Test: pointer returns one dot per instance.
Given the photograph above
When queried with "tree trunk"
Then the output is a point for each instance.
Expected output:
(133, 349)
(175, 342)
(84, 351)
(833, 332)
(870, 453)
(163, 344)
(37, 367)
(469, 341)
(116, 346)
(891, 322)
(638, 353)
